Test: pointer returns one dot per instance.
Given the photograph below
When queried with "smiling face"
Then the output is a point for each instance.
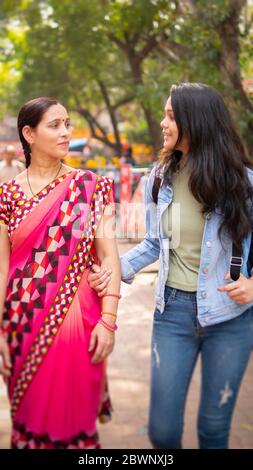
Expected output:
(51, 136)
(170, 131)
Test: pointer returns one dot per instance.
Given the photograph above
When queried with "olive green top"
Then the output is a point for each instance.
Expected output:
(183, 223)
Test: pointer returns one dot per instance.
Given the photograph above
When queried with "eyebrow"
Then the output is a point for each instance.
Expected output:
(59, 120)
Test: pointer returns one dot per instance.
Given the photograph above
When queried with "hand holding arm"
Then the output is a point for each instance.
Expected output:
(141, 255)
(102, 338)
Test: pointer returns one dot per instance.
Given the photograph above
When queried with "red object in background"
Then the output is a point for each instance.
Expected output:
(248, 86)
(125, 194)
(125, 182)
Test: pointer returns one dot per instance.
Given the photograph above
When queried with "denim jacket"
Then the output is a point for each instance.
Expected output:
(213, 306)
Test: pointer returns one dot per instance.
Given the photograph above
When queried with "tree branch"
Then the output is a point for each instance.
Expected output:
(111, 112)
(93, 124)
(125, 100)
(150, 44)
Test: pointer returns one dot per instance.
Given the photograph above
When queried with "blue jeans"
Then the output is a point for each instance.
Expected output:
(176, 342)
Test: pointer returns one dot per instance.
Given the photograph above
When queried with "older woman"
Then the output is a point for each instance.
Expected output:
(55, 331)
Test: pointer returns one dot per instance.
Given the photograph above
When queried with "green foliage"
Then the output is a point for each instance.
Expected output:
(68, 48)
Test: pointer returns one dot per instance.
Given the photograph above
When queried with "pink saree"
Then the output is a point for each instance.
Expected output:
(55, 392)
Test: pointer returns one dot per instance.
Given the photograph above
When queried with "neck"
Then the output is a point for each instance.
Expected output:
(44, 167)
(184, 158)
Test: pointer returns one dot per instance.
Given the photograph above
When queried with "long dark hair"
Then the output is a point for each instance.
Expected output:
(217, 159)
(31, 114)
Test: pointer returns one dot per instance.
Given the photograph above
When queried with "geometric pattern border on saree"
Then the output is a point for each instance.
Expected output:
(57, 312)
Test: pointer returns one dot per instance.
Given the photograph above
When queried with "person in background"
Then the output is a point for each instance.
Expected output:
(10, 166)
(127, 155)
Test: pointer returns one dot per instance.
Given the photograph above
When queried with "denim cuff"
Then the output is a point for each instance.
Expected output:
(127, 272)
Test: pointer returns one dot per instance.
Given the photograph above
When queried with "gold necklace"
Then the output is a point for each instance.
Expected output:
(29, 184)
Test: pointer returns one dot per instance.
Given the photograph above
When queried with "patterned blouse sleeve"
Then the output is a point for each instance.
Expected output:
(109, 194)
(4, 210)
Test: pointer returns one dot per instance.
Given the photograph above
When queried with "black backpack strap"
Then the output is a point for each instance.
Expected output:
(250, 257)
(155, 188)
(236, 261)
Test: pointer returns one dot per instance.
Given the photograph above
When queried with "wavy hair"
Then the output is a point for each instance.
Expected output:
(217, 159)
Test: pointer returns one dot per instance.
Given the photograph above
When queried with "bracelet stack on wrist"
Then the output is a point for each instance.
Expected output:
(108, 326)
(112, 295)
(109, 313)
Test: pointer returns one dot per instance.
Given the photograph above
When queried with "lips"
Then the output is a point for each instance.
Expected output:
(64, 143)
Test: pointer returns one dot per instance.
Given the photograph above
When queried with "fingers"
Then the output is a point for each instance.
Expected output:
(93, 338)
(6, 356)
(103, 292)
(233, 285)
(102, 351)
(104, 343)
(5, 362)
(4, 371)
(100, 280)
(103, 278)
(94, 277)
(103, 287)
(228, 287)
(236, 293)
(241, 295)
(95, 268)
(98, 355)
(239, 291)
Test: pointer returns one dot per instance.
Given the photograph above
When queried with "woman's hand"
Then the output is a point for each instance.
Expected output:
(103, 339)
(99, 278)
(5, 360)
(241, 291)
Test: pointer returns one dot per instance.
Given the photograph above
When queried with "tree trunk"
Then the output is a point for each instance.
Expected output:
(229, 66)
(154, 129)
(153, 125)
(135, 59)
(111, 111)
(94, 125)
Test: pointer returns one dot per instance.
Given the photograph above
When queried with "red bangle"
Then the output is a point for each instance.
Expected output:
(108, 325)
(112, 295)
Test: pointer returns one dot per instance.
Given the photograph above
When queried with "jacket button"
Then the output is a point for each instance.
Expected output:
(205, 270)
(208, 243)
(204, 294)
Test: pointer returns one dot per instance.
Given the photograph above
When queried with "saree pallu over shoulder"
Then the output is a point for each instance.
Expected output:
(54, 390)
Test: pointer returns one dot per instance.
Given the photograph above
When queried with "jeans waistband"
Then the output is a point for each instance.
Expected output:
(183, 294)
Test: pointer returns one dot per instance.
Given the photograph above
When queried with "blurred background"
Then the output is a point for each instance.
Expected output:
(111, 63)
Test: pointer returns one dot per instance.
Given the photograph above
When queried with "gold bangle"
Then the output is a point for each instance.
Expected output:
(109, 313)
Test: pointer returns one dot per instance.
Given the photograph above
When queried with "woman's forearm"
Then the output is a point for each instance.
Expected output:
(110, 304)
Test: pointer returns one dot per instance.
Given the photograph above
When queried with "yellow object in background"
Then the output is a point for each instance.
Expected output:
(116, 161)
(101, 161)
(91, 164)
(73, 160)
